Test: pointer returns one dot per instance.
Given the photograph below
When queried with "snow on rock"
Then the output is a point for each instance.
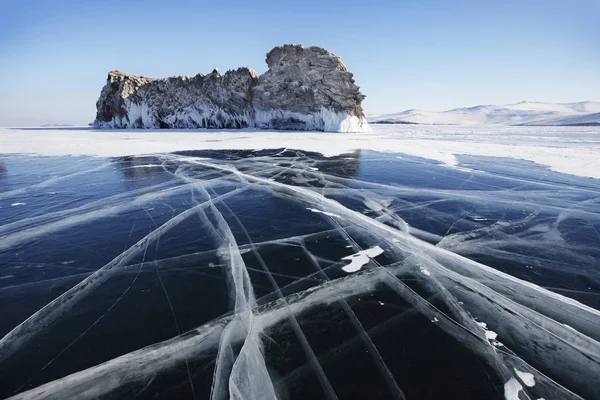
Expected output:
(305, 88)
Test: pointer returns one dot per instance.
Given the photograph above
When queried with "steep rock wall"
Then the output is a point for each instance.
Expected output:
(305, 88)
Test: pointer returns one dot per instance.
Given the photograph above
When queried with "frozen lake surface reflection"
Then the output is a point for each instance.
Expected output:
(285, 274)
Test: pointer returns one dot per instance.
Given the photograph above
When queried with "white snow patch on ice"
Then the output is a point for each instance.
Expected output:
(527, 378)
(146, 166)
(491, 335)
(512, 389)
(324, 212)
(425, 271)
(571, 150)
(477, 219)
(359, 259)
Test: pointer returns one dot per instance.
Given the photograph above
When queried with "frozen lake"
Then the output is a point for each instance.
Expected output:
(286, 273)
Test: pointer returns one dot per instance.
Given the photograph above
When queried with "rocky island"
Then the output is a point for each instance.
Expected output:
(305, 88)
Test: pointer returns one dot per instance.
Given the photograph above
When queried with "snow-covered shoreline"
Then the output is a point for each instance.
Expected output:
(570, 150)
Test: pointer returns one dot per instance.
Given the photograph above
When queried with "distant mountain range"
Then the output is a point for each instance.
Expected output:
(585, 113)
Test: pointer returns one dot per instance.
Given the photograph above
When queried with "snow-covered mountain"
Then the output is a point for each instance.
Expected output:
(523, 113)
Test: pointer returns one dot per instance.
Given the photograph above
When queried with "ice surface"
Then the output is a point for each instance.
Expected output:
(572, 150)
(284, 274)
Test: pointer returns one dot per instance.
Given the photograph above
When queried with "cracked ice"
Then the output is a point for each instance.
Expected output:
(285, 274)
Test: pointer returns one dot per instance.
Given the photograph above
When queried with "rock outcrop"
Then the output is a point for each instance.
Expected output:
(305, 88)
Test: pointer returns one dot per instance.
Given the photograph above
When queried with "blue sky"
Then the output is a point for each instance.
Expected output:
(434, 55)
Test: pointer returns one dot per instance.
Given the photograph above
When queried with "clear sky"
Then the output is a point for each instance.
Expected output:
(427, 54)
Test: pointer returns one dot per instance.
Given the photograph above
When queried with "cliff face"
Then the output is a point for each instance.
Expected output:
(202, 101)
(304, 89)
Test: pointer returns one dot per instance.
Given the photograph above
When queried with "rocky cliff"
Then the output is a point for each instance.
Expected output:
(305, 88)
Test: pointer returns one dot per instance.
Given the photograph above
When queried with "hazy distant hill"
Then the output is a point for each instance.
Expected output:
(523, 113)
